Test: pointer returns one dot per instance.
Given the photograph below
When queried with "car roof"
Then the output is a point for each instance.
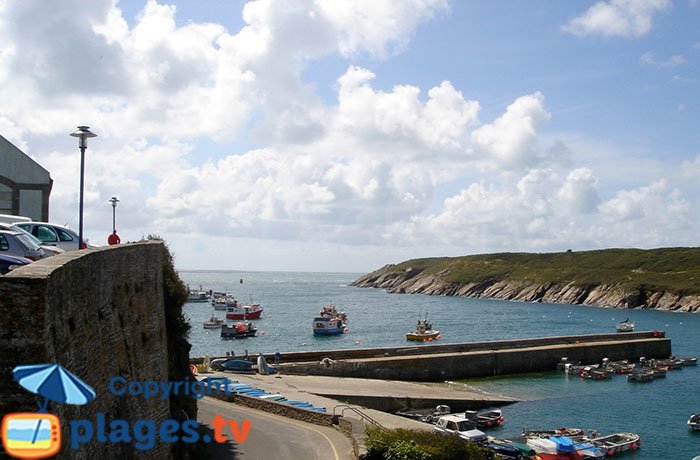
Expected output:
(10, 232)
(43, 223)
(454, 418)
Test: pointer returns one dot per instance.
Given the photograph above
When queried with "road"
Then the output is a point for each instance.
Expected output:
(274, 437)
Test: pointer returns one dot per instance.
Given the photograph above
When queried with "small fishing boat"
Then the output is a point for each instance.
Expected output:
(328, 326)
(694, 421)
(592, 373)
(197, 296)
(615, 443)
(234, 310)
(213, 322)
(238, 330)
(485, 419)
(424, 331)
(219, 300)
(641, 375)
(625, 326)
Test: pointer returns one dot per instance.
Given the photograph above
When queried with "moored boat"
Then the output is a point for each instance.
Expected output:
(625, 326)
(615, 443)
(485, 419)
(694, 421)
(213, 322)
(328, 326)
(568, 432)
(197, 296)
(234, 310)
(641, 375)
(238, 330)
(424, 331)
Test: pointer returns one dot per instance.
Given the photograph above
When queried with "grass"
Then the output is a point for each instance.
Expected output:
(676, 270)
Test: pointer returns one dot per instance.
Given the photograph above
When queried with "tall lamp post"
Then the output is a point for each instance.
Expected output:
(114, 201)
(83, 133)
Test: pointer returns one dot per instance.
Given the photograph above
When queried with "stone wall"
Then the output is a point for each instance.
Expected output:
(99, 313)
(476, 360)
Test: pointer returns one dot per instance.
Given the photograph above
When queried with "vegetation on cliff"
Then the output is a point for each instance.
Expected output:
(617, 277)
(402, 444)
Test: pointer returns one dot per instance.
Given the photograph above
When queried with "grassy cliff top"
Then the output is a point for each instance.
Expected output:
(666, 269)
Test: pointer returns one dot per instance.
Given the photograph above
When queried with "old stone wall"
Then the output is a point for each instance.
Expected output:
(99, 313)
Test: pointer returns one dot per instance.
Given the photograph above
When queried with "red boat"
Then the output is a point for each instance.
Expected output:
(234, 310)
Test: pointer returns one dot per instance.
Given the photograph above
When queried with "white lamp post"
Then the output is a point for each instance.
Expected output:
(114, 201)
(83, 133)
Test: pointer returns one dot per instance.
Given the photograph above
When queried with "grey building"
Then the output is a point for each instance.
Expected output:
(25, 186)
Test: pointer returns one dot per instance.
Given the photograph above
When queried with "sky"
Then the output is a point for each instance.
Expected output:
(343, 135)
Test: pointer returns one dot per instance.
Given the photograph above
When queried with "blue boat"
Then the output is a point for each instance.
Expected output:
(328, 326)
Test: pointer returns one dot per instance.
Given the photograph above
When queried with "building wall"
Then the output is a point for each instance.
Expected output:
(99, 313)
(25, 186)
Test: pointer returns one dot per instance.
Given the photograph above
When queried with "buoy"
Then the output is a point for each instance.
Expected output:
(439, 336)
(262, 333)
(357, 342)
(346, 330)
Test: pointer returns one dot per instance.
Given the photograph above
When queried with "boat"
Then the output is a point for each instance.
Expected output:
(568, 432)
(554, 448)
(197, 296)
(219, 300)
(615, 443)
(625, 326)
(234, 310)
(238, 365)
(592, 373)
(214, 322)
(329, 311)
(641, 375)
(694, 421)
(328, 326)
(423, 332)
(238, 330)
(485, 419)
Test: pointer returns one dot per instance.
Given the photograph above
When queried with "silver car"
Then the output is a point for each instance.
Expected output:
(49, 250)
(20, 245)
(53, 234)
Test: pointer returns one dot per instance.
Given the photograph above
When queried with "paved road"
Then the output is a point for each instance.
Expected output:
(275, 437)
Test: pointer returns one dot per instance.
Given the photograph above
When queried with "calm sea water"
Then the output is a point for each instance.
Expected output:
(657, 411)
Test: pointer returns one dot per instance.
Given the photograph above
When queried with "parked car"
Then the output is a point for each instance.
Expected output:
(460, 426)
(9, 263)
(53, 234)
(48, 249)
(18, 244)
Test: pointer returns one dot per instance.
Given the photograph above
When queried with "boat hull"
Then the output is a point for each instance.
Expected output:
(243, 314)
(335, 331)
(417, 337)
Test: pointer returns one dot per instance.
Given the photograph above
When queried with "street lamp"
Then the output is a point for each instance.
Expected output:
(83, 133)
(114, 201)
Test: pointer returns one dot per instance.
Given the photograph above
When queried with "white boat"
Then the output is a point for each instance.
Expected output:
(616, 443)
(213, 322)
(625, 326)
(197, 295)
(328, 326)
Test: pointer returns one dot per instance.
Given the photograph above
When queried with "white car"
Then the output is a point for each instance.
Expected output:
(53, 234)
(460, 426)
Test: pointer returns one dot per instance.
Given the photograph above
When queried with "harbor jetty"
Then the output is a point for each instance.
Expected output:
(440, 362)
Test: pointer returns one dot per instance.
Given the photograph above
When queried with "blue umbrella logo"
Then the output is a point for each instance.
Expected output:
(54, 383)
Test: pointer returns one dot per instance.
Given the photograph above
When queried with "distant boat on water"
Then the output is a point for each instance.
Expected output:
(625, 326)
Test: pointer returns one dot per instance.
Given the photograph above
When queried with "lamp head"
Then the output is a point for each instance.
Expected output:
(114, 201)
(83, 133)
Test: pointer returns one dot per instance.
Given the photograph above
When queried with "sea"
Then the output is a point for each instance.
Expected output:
(657, 411)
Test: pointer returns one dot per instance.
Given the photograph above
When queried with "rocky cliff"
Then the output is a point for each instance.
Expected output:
(412, 280)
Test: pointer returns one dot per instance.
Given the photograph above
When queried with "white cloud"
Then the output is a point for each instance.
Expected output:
(672, 61)
(622, 18)
(510, 142)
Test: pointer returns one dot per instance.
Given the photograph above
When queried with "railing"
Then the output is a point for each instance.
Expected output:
(358, 412)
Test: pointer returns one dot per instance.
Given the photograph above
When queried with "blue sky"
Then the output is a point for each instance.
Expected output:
(341, 136)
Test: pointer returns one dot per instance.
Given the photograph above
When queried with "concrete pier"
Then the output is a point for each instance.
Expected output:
(434, 363)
